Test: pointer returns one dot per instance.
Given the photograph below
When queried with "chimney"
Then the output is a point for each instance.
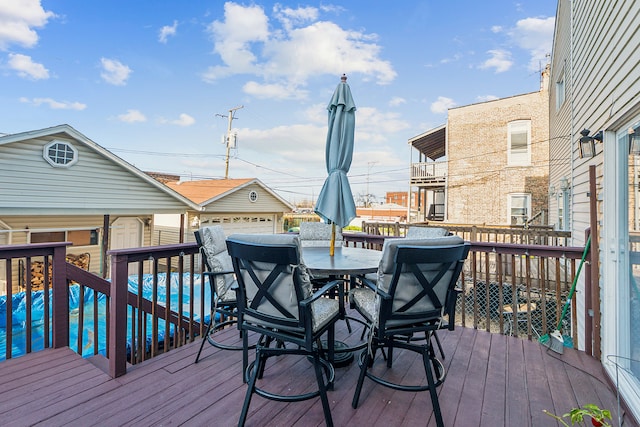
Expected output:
(544, 78)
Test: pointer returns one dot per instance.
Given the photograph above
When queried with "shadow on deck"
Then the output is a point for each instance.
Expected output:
(492, 380)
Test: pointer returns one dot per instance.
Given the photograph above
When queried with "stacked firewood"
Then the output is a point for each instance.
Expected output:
(37, 269)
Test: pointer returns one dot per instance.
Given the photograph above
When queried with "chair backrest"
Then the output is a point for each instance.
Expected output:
(416, 232)
(213, 248)
(318, 234)
(272, 279)
(420, 276)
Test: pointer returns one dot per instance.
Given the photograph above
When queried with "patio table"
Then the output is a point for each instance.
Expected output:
(346, 261)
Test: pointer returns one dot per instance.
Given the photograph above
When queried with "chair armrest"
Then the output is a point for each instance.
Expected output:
(322, 291)
(217, 273)
(368, 283)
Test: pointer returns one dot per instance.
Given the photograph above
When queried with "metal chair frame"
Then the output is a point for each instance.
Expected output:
(394, 325)
(287, 326)
(227, 310)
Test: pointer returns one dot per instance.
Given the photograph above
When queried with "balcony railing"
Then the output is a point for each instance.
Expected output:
(429, 172)
(133, 320)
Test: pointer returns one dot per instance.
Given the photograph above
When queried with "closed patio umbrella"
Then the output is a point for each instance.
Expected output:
(335, 203)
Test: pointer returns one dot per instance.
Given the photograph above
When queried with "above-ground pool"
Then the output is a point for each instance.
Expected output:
(19, 314)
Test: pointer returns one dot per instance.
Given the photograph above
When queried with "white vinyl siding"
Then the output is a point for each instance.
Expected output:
(519, 143)
(560, 91)
(93, 185)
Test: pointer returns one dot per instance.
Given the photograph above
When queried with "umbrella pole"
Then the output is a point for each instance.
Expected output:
(332, 248)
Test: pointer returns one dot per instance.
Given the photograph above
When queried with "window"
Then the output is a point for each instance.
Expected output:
(60, 154)
(519, 143)
(519, 208)
(76, 237)
(253, 196)
(560, 91)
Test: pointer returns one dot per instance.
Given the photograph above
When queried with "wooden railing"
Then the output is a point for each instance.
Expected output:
(508, 288)
(136, 326)
(428, 172)
(533, 279)
(532, 235)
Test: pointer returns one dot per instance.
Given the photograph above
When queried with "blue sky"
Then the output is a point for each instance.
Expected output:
(150, 80)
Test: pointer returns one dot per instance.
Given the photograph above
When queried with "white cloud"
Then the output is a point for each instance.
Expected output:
(291, 17)
(182, 120)
(287, 56)
(18, 20)
(442, 104)
(25, 67)
(484, 98)
(55, 105)
(396, 101)
(114, 72)
(455, 57)
(536, 36)
(167, 31)
(500, 60)
(132, 116)
(274, 91)
(496, 29)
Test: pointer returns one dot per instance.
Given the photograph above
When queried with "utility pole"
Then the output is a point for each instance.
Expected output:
(228, 138)
(369, 165)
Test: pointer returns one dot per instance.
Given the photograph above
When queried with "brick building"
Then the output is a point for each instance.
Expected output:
(489, 163)
(400, 198)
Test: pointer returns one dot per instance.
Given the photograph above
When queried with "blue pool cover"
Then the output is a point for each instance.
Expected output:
(19, 301)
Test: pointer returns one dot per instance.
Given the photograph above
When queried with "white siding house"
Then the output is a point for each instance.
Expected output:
(58, 185)
(238, 205)
(595, 85)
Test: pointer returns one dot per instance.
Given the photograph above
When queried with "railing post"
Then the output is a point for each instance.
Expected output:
(588, 307)
(118, 316)
(60, 308)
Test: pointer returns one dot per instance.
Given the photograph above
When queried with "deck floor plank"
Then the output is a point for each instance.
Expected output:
(491, 380)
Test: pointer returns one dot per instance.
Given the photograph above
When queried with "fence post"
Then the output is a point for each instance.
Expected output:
(60, 308)
(118, 316)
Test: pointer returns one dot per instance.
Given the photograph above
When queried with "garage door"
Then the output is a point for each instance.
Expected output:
(252, 224)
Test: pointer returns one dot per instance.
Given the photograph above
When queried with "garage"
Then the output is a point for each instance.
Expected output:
(242, 223)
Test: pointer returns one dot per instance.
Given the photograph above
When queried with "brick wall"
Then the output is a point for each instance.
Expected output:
(479, 178)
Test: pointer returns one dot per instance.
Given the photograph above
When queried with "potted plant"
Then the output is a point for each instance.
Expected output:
(597, 416)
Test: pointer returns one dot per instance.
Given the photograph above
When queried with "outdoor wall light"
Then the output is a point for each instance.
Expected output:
(564, 184)
(552, 190)
(587, 143)
(634, 140)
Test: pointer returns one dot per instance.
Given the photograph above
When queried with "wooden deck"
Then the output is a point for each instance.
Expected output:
(492, 380)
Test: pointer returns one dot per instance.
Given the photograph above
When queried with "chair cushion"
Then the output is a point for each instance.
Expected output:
(282, 289)
(390, 248)
(215, 249)
(367, 302)
(410, 287)
(324, 310)
(318, 234)
(415, 232)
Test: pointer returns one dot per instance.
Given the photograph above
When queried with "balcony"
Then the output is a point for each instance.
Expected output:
(429, 174)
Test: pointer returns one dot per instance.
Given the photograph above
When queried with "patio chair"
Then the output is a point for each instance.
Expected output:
(416, 232)
(318, 234)
(414, 291)
(222, 282)
(275, 299)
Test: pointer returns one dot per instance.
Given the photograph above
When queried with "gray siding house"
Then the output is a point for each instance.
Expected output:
(58, 185)
(595, 87)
